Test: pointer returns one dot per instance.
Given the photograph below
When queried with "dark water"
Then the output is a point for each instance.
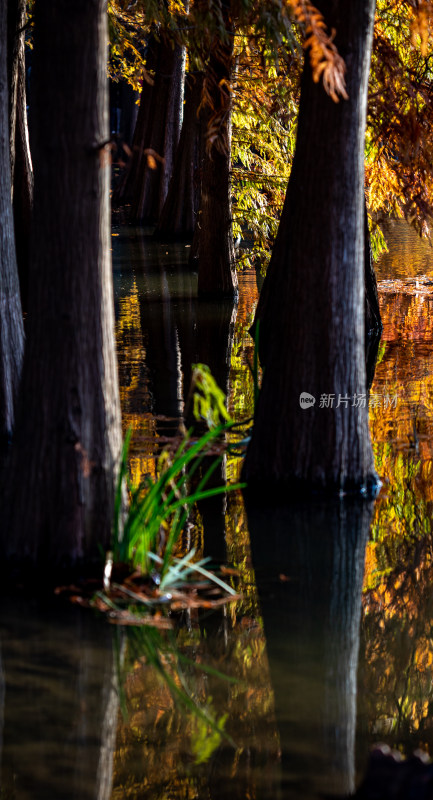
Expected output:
(330, 648)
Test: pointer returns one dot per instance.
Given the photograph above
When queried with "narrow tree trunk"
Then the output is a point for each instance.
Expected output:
(126, 188)
(68, 433)
(21, 164)
(213, 252)
(181, 205)
(157, 135)
(373, 323)
(311, 309)
(11, 322)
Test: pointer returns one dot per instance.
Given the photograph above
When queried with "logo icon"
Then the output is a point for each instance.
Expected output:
(306, 400)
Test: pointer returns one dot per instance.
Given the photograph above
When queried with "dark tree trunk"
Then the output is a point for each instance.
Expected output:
(68, 431)
(181, 205)
(123, 111)
(213, 252)
(127, 186)
(21, 164)
(373, 323)
(309, 563)
(11, 321)
(311, 308)
(157, 133)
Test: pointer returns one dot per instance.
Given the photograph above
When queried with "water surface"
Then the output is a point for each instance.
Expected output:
(330, 648)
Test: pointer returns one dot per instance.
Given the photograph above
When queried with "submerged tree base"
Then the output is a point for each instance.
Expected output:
(262, 491)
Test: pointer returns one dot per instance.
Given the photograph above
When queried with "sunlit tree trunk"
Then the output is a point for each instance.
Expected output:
(311, 309)
(11, 322)
(68, 432)
(21, 164)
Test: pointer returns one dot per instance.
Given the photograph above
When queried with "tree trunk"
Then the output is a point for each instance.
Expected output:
(181, 205)
(126, 188)
(68, 432)
(311, 309)
(213, 253)
(157, 133)
(11, 321)
(373, 323)
(21, 163)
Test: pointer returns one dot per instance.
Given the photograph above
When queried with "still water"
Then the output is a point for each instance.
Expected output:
(330, 648)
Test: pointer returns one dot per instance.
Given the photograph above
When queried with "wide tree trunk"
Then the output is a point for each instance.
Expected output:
(21, 163)
(181, 205)
(311, 309)
(68, 431)
(213, 253)
(157, 133)
(11, 321)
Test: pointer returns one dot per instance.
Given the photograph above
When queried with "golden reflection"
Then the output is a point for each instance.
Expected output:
(397, 673)
(130, 350)
(161, 751)
(164, 751)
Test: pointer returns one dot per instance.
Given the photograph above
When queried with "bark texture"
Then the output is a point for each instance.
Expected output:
(157, 133)
(11, 322)
(178, 215)
(68, 433)
(213, 253)
(311, 309)
(21, 163)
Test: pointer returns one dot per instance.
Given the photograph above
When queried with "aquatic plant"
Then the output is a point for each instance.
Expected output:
(146, 533)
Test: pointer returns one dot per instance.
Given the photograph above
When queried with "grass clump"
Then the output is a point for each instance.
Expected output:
(145, 535)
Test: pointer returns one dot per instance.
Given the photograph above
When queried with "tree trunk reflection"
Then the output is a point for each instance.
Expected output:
(58, 682)
(312, 563)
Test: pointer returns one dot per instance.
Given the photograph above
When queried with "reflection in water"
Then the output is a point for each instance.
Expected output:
(162, 329)
(398, 665)
(164, 752)
(397, 651)
(402, 437)
(58, 676)
(312, 562)
(408, 255)
(297, 707)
